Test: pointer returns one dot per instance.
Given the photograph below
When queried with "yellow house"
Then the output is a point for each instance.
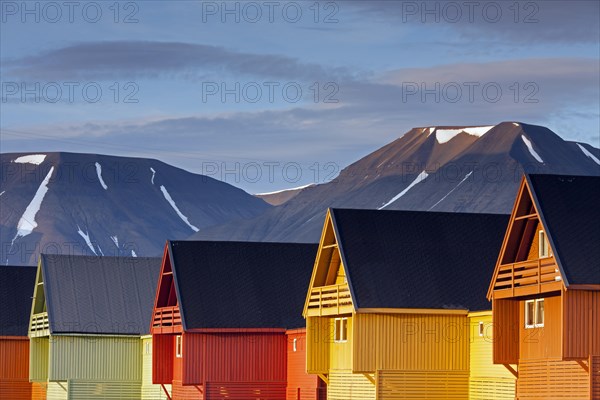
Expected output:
(387, 309)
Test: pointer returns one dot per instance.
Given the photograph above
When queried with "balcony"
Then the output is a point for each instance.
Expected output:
(166, 320)
(39, 325)
(527, 278)
(330, 300)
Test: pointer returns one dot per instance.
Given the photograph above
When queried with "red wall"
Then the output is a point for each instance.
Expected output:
(162, 358)
(14, 368)
(300, 385)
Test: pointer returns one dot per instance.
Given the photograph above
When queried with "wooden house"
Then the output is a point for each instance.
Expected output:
(221, 314)
(388, 302)
(87, 318)
(546, 289)
(16, 288)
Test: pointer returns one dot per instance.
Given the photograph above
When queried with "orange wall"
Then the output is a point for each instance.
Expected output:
(582, 323)
(14, 368)
(506, 331)
(545, 342)
(300, 385)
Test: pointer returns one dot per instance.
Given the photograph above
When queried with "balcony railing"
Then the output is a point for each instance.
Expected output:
(529, 277)
(330, 300)
(166, 317)
(39, 323)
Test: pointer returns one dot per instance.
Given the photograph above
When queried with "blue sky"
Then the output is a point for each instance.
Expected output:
(288, 85)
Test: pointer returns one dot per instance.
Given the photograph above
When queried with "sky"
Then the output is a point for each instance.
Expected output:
(269, 95)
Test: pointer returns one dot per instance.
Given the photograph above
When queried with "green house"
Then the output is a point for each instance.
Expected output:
(90, 318)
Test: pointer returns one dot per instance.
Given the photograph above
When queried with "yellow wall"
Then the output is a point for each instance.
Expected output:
(344, 385)
(340, 353)
(487, 381)
(38, 359)
(410, 342)
(318, 338)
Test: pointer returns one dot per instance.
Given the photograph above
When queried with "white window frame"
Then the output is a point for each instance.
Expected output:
(340, 330)
(295, 344)
(534, 317)
(543, 245)
(148, 348)
(178, 346)
(481, 328)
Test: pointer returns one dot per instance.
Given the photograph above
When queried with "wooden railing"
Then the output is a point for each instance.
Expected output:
(166, 316)
(329, 300)
(39, 322)
(531, 274)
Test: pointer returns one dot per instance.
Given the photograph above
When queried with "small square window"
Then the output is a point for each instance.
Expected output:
(544, 248)
(340, 333)
(148, 348)
(481, 328)
(539, 313)
(178, 346)
(295, 344)
(530, 314)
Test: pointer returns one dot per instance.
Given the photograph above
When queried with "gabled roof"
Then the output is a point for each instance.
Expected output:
(415, 259)
(246, 285)
(568, 208)
(99, 295)
(16, 289)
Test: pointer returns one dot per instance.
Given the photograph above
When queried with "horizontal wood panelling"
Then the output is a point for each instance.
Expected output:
(552, 379)
(300, 385)
(181, 392)
(245, 390)
(162, 354)
(38, 390)
(57, 390)
(546, 341)
(103, 390)
(39, 349)
(410, 342)
(419, 385)
(506, 331)
(318, 339)
(492, 389)
(95, 357)
(344, 385)
(15, 389)
(581, 310)
(595, 376)
(14, 359)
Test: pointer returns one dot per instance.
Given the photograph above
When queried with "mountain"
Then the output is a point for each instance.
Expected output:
(279, 197)
(443, 168)
(97, 204)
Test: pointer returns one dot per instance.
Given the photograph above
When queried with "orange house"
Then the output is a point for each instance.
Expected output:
(546, 289)
(16, 289)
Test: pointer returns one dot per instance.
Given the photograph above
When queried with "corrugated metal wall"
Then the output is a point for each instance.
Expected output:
(487, 381)
(38, 359)
(344, 385)
(552, 379)
(95, 358)
(318, 339)
(233, 357)
(581, 313)
(162, 354)
(15, 389)
(149, 390)
(300, 385)
(103, 390)
(14, 358)
(419, 385)
(410, 342)
(506, 326)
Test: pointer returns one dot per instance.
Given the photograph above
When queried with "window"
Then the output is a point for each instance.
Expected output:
(544, 250)
(148, 348)
(534, 313)
(294, 344)
(178, 346)
(481, 328)
(340, 334)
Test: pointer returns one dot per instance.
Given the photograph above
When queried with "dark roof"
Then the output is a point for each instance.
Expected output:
(100, 295)
(16, 291)
(415, 259)
(569, 210)
(241, 284)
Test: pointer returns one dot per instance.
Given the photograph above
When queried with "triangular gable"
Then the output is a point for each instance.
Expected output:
(328, 292)
(519, 270)
(166, 317)
(38, 322)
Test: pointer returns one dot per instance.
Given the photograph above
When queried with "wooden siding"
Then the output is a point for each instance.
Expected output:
(15, 389)
(95, 358)
(162, 358)
(149, 390)
(39, 350)
(487, 381)
(419, 385)
(581, 313)
(544, 342)
(410, 342)
(341, 352)
(245, 390)
(58, 390)
(233, 357)
(344, 385)
(103, 390)
(14, 358)
(181, 392)
(300, 385)
(595, 377)
(506, 331)
(551, 379)
(318, 338)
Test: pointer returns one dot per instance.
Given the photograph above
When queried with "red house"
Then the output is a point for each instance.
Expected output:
(221, 314)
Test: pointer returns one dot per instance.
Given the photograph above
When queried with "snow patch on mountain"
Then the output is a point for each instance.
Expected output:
(422, 176)
(515, 124)
(285, 190)
(27, 222)
(36, 159)
(4, 191)
(86, 237)
(133, 253)
(99, 173)
(445, 135)
(172, 203)
(531, 150)
(584, 150)
(450, 192)
(153, 173)
(115, 240)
